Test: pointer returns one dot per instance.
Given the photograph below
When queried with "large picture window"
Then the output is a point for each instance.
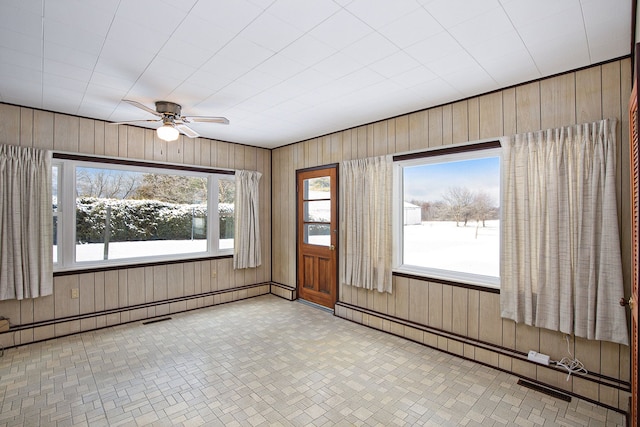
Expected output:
(449, 207)
(108, 213)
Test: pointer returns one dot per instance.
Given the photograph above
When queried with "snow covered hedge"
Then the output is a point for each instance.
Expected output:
(145, 220)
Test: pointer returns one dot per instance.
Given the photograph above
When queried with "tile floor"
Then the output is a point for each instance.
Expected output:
(264, 361)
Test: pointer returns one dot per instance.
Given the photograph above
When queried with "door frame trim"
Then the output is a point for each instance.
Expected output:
(335, 166)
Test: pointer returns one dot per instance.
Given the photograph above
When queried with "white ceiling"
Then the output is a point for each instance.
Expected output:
(283, 71)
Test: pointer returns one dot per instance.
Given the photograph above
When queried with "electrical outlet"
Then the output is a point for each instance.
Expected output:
(214, 273)
(75, 293)
(540, 358)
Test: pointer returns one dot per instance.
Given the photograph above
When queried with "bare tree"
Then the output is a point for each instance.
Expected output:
(482, 207)
(227, 191)
(459, 202)
(107, 185)
(172, 188)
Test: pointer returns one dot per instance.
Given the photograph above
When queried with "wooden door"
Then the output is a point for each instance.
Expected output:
(635, 230)
(317, 235)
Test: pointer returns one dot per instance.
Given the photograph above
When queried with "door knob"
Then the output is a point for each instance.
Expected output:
(624, 302)
(333, 248)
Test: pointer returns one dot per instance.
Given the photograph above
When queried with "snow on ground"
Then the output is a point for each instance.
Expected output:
(136, 249)
(442, 245)
(432, 244)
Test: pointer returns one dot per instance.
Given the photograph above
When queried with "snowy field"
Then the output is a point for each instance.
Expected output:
(122, 250)
(442, 245)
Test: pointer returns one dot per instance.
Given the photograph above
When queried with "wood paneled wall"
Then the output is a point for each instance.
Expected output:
(128, 287)
(577, 97)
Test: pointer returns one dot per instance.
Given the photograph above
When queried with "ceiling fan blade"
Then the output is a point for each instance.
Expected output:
(206, 119)
(134, 121)
(142, 107)
(187, 131)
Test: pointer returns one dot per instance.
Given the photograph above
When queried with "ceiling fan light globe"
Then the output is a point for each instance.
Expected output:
(167, 133)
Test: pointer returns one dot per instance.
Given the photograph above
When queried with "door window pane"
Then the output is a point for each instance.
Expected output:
(317, 188)
(317, 234)
(317, 211)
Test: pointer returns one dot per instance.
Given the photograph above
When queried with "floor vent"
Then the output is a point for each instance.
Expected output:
(148, 322)
(545, 390)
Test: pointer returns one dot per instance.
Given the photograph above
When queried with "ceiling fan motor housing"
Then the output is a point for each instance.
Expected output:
(169, 108)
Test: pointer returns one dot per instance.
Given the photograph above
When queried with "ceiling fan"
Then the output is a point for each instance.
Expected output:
(173, 123)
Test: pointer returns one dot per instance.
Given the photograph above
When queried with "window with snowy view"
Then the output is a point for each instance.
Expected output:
(121, 213)
(450, 208)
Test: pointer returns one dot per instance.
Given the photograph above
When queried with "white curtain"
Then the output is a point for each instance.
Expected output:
(26, 223)
(561, 265)
(366, 211)
(246, 246)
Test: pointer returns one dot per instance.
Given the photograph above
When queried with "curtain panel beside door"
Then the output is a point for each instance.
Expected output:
(366, 222)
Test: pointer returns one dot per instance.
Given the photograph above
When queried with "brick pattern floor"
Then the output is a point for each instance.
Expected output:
(259, 362)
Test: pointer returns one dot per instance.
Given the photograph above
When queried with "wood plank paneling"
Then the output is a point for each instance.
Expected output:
(111, 140)
(136, 289)
(509, 120)
(491, 115)
(66, 130)
(401, 291)
(87, 289)
(123, 141)
(473, 105)
(136, 145)
(528, 108)
(418, 130)
(460, 308)
(558, 101)
(402, 134)
(418, 301)
(490, 327)
(65, 306)
(380, 138)
(435, 127)
(160, 290)
(435, 305)
(9, 124)
(111, 290)
(87, 135)
(589, 95)
(26, 127)
(43, 129)
(99, 135)
(460, 113)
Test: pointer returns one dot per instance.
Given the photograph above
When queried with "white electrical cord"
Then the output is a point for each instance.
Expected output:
(572, 365)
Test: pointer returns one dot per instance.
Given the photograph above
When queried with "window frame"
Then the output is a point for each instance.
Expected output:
(453, 153)
(66, 213)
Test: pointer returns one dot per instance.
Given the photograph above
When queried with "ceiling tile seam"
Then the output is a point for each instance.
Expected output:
(157, 52)
(413, 57)
(584, 28)
(212, 96)
(238, 34)
(400, 49)
(463, 48)
(521, 39)
(93, 70)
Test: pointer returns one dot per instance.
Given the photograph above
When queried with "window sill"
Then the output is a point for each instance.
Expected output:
(93, 268)
(480, 283)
